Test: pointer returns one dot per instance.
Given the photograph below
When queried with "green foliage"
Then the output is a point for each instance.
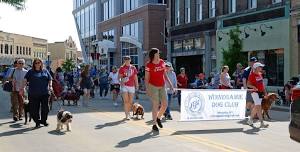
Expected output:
(68, 65)
(18, 4)
(233, 55)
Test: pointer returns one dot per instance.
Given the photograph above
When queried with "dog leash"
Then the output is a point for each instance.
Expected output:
(55, 97)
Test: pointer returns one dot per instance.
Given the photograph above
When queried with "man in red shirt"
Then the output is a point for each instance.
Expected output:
(182, 82)
(255, 82)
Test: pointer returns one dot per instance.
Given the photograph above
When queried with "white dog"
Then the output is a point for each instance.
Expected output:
(64, 118)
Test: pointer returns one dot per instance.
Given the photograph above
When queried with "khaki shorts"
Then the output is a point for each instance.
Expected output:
(158, 93)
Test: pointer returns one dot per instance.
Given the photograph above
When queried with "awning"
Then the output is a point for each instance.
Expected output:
(132, 41)
(106, 46)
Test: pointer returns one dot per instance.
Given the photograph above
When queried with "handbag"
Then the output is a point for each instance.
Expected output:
(8, 85)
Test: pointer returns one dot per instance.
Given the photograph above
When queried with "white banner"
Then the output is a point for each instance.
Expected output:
(212, 104)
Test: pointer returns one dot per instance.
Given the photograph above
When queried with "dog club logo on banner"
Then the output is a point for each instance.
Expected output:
(212, 104)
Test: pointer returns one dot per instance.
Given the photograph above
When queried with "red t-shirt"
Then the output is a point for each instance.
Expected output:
(156, 72)
(257, 81)
(183, 81)
(128, 73)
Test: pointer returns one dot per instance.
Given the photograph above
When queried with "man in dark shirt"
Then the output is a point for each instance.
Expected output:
(247, 71)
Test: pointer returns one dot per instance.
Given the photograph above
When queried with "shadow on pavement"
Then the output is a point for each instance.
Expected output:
(110, 124)
(252, 131)
(16, 125)
(57, 133)
(9, 122)
(15, 132)
(137, 139)
(211, 131)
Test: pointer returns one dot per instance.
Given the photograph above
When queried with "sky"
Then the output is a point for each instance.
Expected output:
(47, 19)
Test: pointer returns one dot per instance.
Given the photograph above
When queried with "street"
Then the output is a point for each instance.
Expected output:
(101, 127)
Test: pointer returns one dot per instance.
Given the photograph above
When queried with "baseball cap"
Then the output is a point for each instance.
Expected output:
(253, 59)
(258, 64)
(126, 58)
(168, 64)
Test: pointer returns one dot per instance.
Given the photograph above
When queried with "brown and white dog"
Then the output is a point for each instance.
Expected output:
(138, 109)
(64, 118)
(267, 102)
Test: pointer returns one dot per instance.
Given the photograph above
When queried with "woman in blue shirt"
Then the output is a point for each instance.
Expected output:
(39, 83)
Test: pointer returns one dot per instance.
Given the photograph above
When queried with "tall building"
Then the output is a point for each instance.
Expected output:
(199, 32)
(124, 27)
(295, 33)
(85, 16)
(61, 51)
(14, 46)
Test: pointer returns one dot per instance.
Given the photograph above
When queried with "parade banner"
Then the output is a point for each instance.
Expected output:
(197, 104)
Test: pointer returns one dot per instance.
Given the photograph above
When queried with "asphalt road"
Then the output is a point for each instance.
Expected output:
(101, 128)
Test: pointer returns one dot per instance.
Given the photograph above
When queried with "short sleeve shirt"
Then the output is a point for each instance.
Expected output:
(246, 73)
(257, 81)
(156, 72)
(114, 77)
(128, 74)
(38, 82)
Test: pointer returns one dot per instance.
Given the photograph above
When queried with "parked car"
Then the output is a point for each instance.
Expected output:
(294, 127)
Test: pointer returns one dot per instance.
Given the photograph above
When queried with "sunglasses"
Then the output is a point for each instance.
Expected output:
(37, 63)
(20, 63)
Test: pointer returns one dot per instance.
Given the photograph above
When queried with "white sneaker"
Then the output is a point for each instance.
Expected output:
(263, 125)
(115, 104)
(250, 122)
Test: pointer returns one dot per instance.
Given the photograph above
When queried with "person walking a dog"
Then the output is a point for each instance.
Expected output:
(129, 84)
(17, 98)
(86, 83)
(39, 86)
(255, 82)
(114, 84)
(155, 77)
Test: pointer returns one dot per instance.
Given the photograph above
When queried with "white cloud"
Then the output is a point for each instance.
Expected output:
(48, 19)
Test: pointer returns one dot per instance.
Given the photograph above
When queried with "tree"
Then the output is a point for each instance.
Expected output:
(18, 4)
(233, 54)
(68, 65)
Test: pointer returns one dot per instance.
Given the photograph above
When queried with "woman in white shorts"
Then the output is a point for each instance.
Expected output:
(255, 82)
(129, 82)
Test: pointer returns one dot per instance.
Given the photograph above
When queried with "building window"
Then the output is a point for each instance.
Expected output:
(23, 50)
(109, 35)
(29, 51)
(252, 4)
(232, 6)
(131, 50)
(11, 49)
(276, 1)
(1, 48)
(187, 11)
(212, 8)
(26, 50)
(131, 30)
(109, 9)
(177, 13)
(198, 10)
(6, 49)
(130, 5)
(17, 48)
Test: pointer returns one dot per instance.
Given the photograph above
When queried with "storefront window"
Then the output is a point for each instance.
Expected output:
(177, 46)
(274, 69)
(199, 43)
(132, 51)
(188, 45)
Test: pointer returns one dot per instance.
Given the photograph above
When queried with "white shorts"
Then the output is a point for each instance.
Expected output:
(127, 89)
(256, 99)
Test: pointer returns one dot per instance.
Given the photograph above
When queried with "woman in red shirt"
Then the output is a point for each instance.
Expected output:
(182, 82)
(129, 82)
(255, 82)
(155, 76)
